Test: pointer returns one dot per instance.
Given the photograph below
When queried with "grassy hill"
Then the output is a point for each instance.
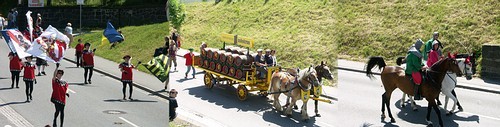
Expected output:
(389, 28)
(300, 31)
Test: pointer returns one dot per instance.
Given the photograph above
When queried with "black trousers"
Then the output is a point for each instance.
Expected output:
(15, 76)
(59, 110)
(87, 70)
(29, 88)
(125, 89)
(78, 59)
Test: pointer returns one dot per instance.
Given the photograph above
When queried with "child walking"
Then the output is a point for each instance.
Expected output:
(78, 52)
(29, 77)
(189, 62)
(88, 63)
(126, 69)
(59, 93)
(15, 68)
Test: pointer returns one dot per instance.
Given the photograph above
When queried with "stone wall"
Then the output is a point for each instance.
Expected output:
(491, 61)
(94, 17)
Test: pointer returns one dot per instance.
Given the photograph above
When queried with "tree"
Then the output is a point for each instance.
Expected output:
(176, 13)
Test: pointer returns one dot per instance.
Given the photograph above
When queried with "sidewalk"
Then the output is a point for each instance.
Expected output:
(474, 84)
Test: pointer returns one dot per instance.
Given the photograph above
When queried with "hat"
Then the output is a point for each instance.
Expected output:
(126, 56)
(69, 24)
(39, 14)
(435, 33)
(190, 49)
(268, 50)
(259, 50)
(435, 42)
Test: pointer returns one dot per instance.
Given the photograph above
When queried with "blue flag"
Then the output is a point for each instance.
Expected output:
(111, 34)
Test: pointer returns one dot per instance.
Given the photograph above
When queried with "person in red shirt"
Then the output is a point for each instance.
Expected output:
(15, 68)
(78, 52)
(433, 56)
(29, 77)
(59, 93)
(88, 63)
(189, 62)
(126, 69)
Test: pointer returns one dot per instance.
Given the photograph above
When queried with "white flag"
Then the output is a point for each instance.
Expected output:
(30, 24)
(51, 45)
(17, 42)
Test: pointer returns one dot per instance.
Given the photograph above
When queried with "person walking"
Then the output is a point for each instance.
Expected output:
(78, 53)
(68, 31)
(172, 104)
(273, 56)
(10, 17)
(29, 77)
(189, 62)
(15, 68)
(127, 75)
(171, 55)
(41, 64)
(88, 63)
(2, 21)
(59, 93)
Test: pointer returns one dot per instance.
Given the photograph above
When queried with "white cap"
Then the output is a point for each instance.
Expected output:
(435, 42)
(69, 24)
(259, 50)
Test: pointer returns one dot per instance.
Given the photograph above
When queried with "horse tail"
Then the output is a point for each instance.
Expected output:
(400, 60)
(374, 60)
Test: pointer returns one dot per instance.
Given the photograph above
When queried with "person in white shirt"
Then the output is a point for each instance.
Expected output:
(69, 32)
(273, 56)
(2, 20)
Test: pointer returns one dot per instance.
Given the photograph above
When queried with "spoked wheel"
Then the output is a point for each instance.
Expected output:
(209, 80)
(242, 92)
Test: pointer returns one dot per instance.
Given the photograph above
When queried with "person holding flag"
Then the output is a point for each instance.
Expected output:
(15, 68)
(29, 77)
(127, 75)
(88, 63)
(59, 93)
(111, 35)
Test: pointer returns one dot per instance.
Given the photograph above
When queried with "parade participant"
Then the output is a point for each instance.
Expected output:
(172, 104)
(15, 68)
(414, 65)
(78, 52)
(38, 20)
(59, 93)
(68, 31)
(203, 46)
(275, 61)
(113, 44)
(433, 55)
(166, 46)
(29, 77)
(428, 45)
(127, 75)
(88, 63)
(268, 58)
(189, 62)
(171, 55)
(261, 64)
(41, 64)
(2, 20)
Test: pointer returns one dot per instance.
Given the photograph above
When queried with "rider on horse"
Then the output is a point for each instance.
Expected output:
(414, 66)
(429, 45)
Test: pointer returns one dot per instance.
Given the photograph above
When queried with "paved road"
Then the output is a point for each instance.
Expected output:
(360, 100)
(85, 107)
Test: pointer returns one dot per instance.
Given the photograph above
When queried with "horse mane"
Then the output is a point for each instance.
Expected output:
(436, 65)
(305, 72)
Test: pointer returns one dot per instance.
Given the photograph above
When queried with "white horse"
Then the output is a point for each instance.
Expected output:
(448, 85)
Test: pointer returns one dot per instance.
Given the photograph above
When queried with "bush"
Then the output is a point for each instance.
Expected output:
(177, 13)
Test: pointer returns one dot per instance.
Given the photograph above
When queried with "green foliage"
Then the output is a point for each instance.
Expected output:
(177, 13)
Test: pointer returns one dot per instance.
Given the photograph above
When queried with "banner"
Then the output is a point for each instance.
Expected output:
(30, 24)
(17, 42)
(35, 3)
(111, 34)
(158, 67)
(51, 45)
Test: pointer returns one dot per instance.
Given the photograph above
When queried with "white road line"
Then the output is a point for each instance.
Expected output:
(13, 116)
(128, 122)
(489, 117)
(71, 91)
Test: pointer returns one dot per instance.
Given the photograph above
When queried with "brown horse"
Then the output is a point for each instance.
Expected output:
(283, 82)
(394, 77)
(323, 71)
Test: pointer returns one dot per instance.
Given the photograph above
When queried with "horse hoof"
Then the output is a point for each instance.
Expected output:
(449, 113)
(393, 121)
(402, 106)
(439, 103)
(382, 116)
(460, 109)
(318, 115)
(295, 107)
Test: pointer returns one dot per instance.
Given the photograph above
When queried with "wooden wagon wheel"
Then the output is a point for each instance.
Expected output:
(209, 80)
(242, 92)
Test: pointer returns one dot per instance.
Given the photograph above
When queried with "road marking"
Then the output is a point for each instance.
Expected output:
(489, 117)
(128, 122)
(194, 117)
(327, 125)
(13, 116)
(71, 91)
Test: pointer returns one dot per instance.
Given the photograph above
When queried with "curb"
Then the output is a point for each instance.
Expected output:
(458, 86)
(118, 78)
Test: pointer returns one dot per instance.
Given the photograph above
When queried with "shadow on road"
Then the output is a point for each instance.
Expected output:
(73, 67)
(279, 119)
(76, 83)
(6, 88)
(121, 100)
(12, 103)
(4, 78)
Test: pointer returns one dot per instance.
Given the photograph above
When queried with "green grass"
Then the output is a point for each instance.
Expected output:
(300, 31)
(389, 28)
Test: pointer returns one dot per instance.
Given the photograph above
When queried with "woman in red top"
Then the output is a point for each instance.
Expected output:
(29, 77)
(126, 69)
(433, 55)
(88, 63)
(59, 94)
(78, 52)
(15, 68)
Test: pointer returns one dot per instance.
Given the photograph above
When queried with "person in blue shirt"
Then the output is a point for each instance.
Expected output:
(261, 64)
